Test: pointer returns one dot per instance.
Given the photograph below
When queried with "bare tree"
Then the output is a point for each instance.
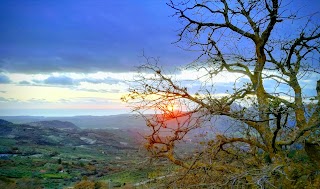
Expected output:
(245, 38)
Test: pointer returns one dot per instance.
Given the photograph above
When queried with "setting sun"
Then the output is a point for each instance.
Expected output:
(171, 107)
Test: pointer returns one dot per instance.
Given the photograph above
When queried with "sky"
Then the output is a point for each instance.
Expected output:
(73, 57)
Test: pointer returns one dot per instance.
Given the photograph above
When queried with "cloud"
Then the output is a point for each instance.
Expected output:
(4, 79)
(57, 63)
(62, 80)
(88, 36)
(103, 87)
(108, 80)
(100, 82)
(9, 100)
(115, 61)
(4, 99)
(24, 83)
(72, 80)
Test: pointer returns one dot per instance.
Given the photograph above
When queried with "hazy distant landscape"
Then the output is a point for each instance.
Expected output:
(58, 152)
(90, 122)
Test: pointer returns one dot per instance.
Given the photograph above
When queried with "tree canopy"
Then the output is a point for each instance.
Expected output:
(277, 122)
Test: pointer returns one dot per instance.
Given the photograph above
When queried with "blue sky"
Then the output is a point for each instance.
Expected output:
(72, 57)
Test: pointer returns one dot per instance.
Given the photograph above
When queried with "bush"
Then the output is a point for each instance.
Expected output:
(85, 184)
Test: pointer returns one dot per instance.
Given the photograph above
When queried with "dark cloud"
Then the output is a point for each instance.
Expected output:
(85, 36)
(4, 79)
(90, 36)
(3, 99)
(24, 83)
(64, 80)
(54, 64)
(59, 80)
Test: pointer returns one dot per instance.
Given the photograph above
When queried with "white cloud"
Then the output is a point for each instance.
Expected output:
(202, 76)
(116, 88)
(104, 89)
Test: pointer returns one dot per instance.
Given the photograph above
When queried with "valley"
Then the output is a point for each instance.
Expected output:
(50, 153)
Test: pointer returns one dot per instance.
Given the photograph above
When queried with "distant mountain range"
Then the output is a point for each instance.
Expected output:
(61, 133)
(102, 122)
